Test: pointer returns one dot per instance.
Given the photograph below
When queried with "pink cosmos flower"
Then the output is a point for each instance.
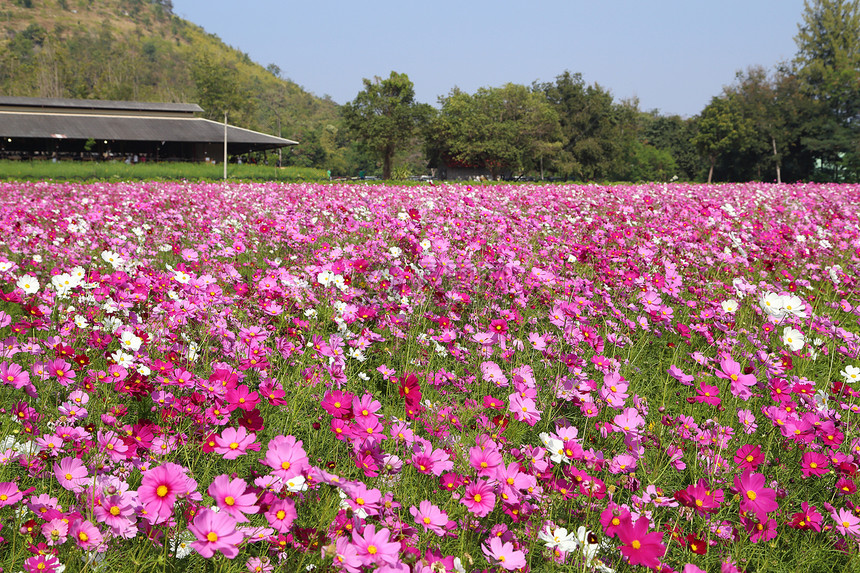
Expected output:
(117, 512)
(524, 409)
(230, 496)
(71, 473)
(629, 421)
(755, 498)
(56, 531)
(373, 547)
(159, 488)
(365, 406)
(346, 555)
(109, 442)
(9, 493)
(614, 518)
(485, 460)
(641, 547)
(241, 397)
(503, 554)
(235, 442)
(87, 536)
(807, 518)
(846, 522)
(281, 515)
(259, 565)
(430, 517)
(215, 531)
(13, 375)
(763, 530)
(479, 498)
(61, 369)
(286, 457)
(361, 499)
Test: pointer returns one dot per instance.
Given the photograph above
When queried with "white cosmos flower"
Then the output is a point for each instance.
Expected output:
(560, 538)
(729, 306)
(129, 341)
(81, 321)
(181, 277)
(296, 484)
(851, 374)
(793, 338)
(772, 304)
(122, 359)
(112, 258)
(794, 305)
(28, 284)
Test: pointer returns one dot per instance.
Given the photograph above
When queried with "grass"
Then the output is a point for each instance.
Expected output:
(119, 171)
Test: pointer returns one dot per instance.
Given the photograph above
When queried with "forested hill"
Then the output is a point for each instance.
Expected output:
(139, 50)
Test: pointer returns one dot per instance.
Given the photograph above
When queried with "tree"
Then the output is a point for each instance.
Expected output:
(510, 129)
(674, 134)
(597, 133)
(218, 89)
(828, 54)
(384, 116)
(721, 128)
(828, 60)
(783, 117)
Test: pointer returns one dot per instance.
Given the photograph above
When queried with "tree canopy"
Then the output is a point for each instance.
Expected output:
(384, 116)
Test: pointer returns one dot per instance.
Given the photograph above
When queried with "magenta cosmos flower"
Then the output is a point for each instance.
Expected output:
(215, 531)
(641, 547)
(814, 464)
(41, 564)
(740, 382)
(479, 498)
(159, 489)
(755, 498)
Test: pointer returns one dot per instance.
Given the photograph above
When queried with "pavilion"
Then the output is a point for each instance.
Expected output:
(99, 129)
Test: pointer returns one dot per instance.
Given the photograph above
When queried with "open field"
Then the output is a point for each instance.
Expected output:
(429, 378)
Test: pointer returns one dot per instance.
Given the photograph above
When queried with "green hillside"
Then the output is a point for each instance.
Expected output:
(139, 50)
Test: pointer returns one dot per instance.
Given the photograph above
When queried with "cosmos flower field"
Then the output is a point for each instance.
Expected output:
(261, 377)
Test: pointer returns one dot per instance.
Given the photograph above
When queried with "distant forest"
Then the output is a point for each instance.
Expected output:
(795, 121)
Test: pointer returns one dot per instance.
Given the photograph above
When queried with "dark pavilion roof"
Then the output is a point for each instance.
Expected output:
(45, 118)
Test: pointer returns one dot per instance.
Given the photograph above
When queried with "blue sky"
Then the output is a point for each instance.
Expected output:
(674, 55)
